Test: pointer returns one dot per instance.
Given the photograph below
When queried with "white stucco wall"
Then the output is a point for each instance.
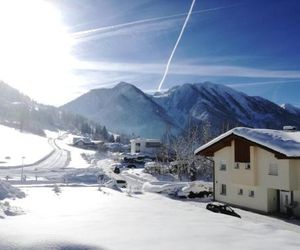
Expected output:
(256, 178)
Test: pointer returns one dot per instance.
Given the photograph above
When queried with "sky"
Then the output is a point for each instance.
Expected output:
(56, 50)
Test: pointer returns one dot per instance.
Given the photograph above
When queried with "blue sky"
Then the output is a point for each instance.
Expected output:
(250, 45)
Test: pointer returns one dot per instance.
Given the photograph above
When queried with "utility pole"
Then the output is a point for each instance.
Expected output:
(22, 172)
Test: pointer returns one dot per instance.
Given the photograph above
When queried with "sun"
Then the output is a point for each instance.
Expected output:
(35, 47)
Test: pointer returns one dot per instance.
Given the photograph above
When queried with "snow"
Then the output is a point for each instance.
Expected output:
(285, 142)
(163, 187)
(85, 218)
(14, 145)
(8, 191)
(290, 108)
(77, 160)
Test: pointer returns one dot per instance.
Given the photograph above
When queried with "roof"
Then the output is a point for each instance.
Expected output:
(146, 140)
(283, 142)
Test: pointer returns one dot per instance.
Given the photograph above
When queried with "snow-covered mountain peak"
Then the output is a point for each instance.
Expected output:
(291, 108)
(127, 109)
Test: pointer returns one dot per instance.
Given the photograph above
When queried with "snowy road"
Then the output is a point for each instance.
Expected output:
(58, 158)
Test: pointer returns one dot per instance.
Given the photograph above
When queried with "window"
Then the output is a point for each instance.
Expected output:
(247, 166)
(237, 165)
(223, 189)
(241, 151)
(273, 169)
(137, 147)
(223, 165)
(240, 192)
(251, 193)
(153, 144)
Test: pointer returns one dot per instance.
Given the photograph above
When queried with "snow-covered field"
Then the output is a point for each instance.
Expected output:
(85, 218)
(14, 145)
(77, 161)
(46, 159)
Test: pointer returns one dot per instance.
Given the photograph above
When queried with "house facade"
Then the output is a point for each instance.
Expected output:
(257, 169)
(150, 147)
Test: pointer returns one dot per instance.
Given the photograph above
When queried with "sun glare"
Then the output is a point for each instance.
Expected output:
(34, 47)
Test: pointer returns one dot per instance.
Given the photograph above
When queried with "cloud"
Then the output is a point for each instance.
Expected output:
(187, 69)
(149, 24)
(260, 83)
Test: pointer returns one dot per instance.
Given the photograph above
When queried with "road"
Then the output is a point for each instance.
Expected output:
(133, 182)
(57, 159)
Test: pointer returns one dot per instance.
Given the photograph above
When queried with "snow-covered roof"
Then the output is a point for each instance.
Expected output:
(145, 140)
(284, 142)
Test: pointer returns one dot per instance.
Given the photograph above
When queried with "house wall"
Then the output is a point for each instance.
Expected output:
(295, 183)
(143, 148)
(256, 179)
(244, 175)
(236, 179)
(282, 180)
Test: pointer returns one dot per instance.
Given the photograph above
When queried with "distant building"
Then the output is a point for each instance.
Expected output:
(86, 143)
(258, 169)
(149, 147)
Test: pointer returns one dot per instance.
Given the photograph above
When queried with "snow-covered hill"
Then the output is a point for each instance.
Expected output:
(20, 111)
(15, 145)
(127, 109)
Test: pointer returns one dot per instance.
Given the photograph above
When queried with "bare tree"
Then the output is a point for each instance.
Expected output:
(188, 165)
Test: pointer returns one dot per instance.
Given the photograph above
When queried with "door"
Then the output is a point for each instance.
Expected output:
(285, 200)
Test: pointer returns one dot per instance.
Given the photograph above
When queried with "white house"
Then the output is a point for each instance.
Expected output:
(258, 169)
(150, 147)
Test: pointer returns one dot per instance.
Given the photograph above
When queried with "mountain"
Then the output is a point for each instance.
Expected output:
(124, 109)
(127, 109)
(20, 111)
(222, 106)
(291, 109)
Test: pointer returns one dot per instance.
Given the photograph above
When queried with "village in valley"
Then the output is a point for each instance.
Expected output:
(93, 156)
(114, 187)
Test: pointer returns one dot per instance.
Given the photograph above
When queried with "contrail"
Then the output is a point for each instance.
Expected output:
(84, 33)
(176, 44)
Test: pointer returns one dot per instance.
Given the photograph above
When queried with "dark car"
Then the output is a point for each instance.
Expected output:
(121, 183)
(117, 170)
(131, 166)
(223, 209)
(201, 194)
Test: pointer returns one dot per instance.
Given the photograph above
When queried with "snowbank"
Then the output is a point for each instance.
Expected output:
(7, 210)
(8, 191)
(163, 187)
(176, 188)
(88, 175)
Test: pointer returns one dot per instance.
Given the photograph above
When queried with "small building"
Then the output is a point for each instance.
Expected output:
(257, 169)
(86, 143)
(150, 147)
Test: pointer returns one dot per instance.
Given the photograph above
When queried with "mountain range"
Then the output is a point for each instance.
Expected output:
(127, 109)
(20, 111)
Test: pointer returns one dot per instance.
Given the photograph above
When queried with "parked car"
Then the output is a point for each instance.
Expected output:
(131, 166)
(223, 209)
(117, 170)
(121, 183)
